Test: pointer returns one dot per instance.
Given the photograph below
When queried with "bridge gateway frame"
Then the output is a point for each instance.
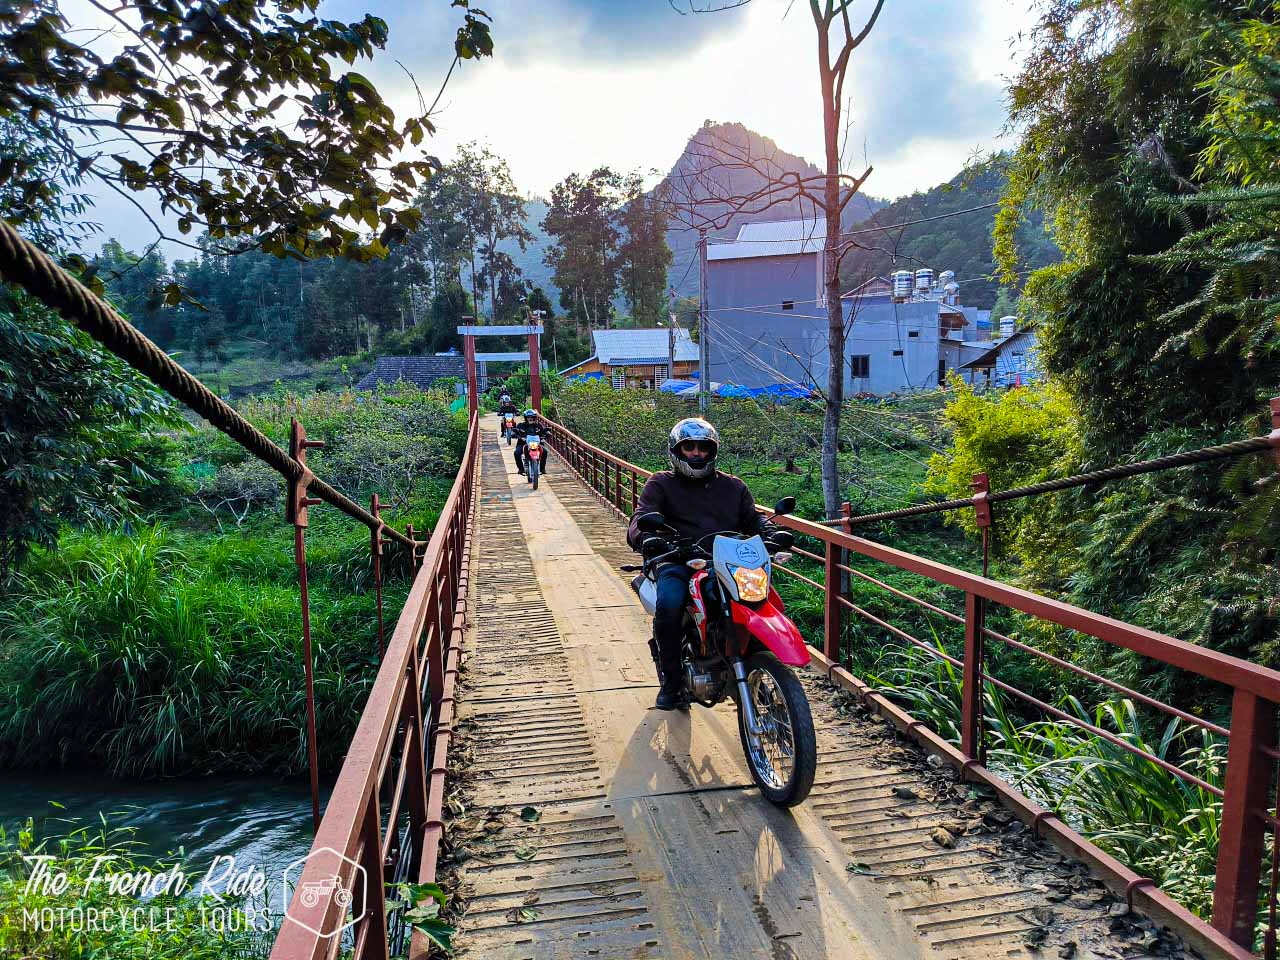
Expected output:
(469, 333)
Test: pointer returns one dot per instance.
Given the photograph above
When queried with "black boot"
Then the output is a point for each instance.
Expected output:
(671, 694)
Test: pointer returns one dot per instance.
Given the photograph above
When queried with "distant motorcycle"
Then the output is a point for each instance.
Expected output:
(533, 458)
(509, 426)
(739, 642)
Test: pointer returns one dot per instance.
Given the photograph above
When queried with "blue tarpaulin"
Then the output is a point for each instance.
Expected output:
(776, 391)
(788, 391)
(678, 386)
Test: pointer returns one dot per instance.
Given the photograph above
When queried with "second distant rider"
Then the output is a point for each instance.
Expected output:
(530, 425)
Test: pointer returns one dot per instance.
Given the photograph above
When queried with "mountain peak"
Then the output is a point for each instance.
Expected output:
(728, 159)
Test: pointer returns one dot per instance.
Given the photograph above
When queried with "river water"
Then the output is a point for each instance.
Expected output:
(262, 823)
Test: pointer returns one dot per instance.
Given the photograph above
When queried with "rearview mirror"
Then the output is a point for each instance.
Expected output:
(651, 522)
(784, 506)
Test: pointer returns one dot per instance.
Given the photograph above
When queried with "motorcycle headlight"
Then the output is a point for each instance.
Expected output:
(753, 584)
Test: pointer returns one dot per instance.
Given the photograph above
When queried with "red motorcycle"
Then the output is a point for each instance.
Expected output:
(533, 458)
(739, 642)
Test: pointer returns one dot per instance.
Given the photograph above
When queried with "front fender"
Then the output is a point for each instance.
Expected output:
(773, 628)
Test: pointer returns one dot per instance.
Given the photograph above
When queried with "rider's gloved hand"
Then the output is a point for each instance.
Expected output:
(653, 547)
(781, 540)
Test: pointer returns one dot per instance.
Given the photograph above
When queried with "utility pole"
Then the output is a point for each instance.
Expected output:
(671, 340)
(671, 349)
(704, 387)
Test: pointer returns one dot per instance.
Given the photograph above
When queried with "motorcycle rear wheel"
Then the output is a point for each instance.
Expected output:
(784, 758)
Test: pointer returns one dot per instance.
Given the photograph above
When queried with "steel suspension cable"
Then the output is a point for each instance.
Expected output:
(1172, 461)
(24, 264)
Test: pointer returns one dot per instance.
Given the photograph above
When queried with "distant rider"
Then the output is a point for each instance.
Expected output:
(530, 425)
(505, 406)
(696, 500)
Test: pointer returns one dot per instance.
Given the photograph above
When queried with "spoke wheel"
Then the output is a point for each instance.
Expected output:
(783, 755)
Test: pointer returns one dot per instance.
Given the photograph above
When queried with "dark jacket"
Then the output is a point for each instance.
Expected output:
(696, 508)
(508, 408)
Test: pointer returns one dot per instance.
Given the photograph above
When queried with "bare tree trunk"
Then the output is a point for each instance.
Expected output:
(475, 291)
(493, 277)
(831, 285)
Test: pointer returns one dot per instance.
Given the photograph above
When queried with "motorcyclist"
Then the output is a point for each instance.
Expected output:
(696, 500)
(506, 405)
(530, 425)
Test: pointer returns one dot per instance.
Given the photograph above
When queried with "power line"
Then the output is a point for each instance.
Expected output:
(866, 230)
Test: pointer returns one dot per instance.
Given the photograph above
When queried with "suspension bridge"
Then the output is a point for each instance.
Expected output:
(507, 748)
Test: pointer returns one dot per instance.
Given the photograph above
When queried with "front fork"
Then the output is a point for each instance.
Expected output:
(745, 703)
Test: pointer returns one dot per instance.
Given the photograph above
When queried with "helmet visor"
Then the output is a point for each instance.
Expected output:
(697, 449)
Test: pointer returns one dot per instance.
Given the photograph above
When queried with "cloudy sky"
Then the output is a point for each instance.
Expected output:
(579, 83)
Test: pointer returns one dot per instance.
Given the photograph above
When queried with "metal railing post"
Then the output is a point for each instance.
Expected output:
(1241, 837)
(372, 904)
(296, 511)
(971, 740)
(833, 616)
(375, 545)
(435, 646)
(415, 761)
(635, 500)
(835, 584)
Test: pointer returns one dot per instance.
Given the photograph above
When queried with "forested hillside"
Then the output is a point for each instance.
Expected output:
(960, 242)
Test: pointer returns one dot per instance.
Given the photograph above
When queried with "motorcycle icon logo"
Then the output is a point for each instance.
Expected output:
(310, 907)
(313, 891)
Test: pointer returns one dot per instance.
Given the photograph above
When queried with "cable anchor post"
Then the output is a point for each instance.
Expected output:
(981, 487)
(296, 511)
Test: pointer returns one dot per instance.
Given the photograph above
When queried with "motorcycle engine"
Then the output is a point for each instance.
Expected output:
(705, 679)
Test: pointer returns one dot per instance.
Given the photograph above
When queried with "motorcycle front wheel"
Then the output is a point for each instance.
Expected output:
(534, 470)
(784, 757)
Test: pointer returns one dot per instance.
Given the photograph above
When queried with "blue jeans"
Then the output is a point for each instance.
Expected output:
(668, 618)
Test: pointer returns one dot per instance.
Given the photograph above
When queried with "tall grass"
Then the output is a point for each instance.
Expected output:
(156, 653)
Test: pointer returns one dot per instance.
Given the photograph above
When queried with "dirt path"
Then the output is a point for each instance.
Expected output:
(594, 826)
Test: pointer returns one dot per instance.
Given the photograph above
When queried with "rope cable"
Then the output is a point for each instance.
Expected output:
(26, 265)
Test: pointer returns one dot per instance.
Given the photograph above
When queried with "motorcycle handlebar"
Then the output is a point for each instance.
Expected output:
(688, 548)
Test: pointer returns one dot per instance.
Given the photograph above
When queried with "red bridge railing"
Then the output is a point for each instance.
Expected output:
(383, 822)
(1255, 691)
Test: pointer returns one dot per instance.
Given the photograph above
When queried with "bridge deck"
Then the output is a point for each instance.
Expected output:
(650, 840)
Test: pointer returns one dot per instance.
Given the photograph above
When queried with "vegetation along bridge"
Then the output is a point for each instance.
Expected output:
(507, 752)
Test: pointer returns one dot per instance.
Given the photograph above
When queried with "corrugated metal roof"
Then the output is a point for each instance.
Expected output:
(420, 371)
(641, 346)
(776, 238)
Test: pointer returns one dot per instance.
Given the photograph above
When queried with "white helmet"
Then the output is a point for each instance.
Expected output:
(693, 428)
